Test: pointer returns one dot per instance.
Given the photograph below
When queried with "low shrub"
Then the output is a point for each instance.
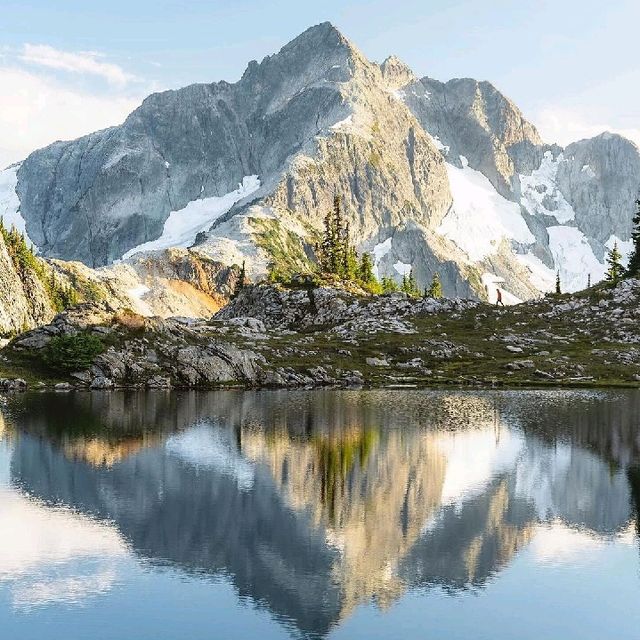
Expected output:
(129, 319)
(73, 353)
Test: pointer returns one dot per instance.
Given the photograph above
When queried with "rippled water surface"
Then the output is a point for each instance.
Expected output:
(374, 514)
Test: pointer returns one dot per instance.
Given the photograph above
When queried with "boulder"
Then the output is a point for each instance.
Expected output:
(377, 362)
(100, 382)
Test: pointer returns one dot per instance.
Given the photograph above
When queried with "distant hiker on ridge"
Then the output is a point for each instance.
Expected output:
(499, 298)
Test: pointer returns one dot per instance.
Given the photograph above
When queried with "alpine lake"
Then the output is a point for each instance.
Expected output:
(320, 514)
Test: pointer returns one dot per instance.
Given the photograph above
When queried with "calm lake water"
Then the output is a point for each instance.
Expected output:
(337, 514)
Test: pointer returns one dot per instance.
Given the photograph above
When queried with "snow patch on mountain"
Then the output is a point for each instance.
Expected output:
(586, 169)
(233, 241)
(358, 122)
(347, 123)
(379, 252)
(136, 295)
(480, 218)
(540, 193)
(182, 227)
(402, 268)
(113, 160)
(574, 257)
(10, 203)
(541, 277)
(438, 144)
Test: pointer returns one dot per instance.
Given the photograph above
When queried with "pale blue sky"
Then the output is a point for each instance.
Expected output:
(569, 64)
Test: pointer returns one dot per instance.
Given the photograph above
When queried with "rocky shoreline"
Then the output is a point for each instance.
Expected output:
(272, 336)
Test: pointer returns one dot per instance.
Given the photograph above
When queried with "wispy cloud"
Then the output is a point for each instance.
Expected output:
(561, 125)
(38, 109)
(81, 62)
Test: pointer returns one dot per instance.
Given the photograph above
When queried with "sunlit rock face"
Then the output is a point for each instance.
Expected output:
(23, 298)
(445, 177)
(314, 503)
(473, 119)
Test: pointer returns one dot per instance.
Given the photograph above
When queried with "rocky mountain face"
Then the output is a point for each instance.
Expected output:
(435, 177)
(24, 302)
(600, 180)
(473, 119)
(174, 282)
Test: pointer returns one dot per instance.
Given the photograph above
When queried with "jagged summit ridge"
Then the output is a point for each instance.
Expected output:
(396, 73)
(418, 163)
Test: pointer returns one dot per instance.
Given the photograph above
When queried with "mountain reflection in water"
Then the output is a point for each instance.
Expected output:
(311, 503)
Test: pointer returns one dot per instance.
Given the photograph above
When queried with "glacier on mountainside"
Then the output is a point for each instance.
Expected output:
(625, 247)
(480, 218)
(540, 193)
(542, 277)
(402, 268)
(182, 227)
(574, 257)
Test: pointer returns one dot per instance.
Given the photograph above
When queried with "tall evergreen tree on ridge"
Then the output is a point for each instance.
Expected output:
(615, 270)
(366, 269)
(558, 287)
(409, 285)
(633, 268)
(241, 282)
(435, 288)
(336, 256)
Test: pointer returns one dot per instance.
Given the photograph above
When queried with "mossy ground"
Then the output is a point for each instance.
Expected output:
(465, 348)
(470, 349)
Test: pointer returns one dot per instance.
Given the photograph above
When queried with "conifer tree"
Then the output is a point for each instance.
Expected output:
(350, 256)
(344, 249)
(633, 268)
(388, 285)
(366, 269)
(327, 254)
(435, 289)
(412, 285)
(341, 240)
(558, 287)
(615, 270)
(409, 284)
(336, 256)
(241, 282)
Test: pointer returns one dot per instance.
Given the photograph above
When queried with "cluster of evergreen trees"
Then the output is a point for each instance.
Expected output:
(338, 257)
